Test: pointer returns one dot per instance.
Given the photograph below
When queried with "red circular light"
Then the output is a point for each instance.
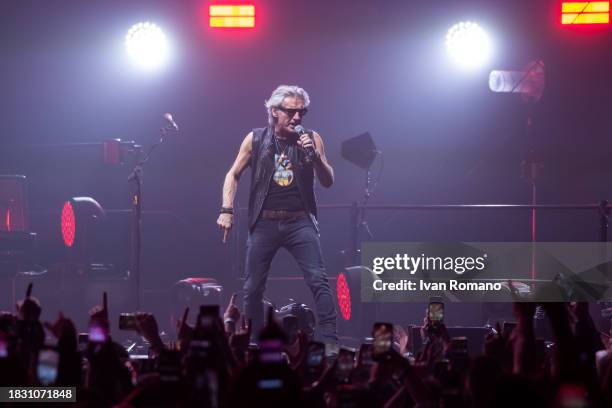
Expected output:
(344, 297)
(68, 224)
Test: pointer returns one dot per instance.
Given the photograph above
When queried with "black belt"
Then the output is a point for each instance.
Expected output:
(282, 214)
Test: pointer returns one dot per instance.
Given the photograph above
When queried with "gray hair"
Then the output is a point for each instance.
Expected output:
(279, 95)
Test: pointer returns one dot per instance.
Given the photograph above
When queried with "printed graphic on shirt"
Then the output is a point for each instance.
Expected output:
(283, 173)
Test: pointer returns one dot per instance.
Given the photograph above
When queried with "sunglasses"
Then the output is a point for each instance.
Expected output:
(291, 112)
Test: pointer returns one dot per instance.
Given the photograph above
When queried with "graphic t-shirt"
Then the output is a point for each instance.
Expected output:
(283, 193)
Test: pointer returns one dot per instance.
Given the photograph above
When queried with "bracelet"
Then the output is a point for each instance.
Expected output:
(226, 210)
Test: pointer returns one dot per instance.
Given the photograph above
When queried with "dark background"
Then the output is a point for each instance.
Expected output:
(377, 66)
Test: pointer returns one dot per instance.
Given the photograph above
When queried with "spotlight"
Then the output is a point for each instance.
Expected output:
(468, 44)
(529, 82)
(68, 224)
(344, 296)
(356, 315)
(146, 44)
(81, 220)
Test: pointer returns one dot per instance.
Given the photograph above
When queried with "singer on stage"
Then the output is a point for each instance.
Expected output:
(284, 159)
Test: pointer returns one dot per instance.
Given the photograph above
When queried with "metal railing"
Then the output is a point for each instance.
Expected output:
(357, 210)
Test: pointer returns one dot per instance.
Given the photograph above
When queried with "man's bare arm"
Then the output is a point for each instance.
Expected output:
(324, 172)
(230, 185)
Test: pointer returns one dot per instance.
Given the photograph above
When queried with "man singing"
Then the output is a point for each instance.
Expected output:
(284, 159)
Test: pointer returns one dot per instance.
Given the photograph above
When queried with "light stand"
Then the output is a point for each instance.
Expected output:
(529, 83)
(531, 165)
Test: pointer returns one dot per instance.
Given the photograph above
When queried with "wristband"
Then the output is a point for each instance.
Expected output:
(226, 210)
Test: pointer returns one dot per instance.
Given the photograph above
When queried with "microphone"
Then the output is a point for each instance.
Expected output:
(310, 151)
(171, 123)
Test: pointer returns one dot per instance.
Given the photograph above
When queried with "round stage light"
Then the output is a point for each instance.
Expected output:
(68, 224)
(468, 44)
(78, 220)
(146, 44)
(344, 296)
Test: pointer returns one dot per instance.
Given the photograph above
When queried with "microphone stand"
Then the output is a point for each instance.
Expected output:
(531, 166)
(136, 246)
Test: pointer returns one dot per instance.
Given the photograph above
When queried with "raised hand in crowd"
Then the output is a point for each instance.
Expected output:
(296, 351)
(436, 340)
(564, 360)
(402, 338)
(231, 316)
(495, 344)
(69, 371)
(272, 330)
(523, 340)
(587, 335)
(98, 315)
(240, 339)
(29, 332)
(108, 375)
(61, 327)
(146, 326)
(184, 331)
(29, 308)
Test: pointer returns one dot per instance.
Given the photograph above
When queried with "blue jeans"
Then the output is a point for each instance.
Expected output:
(299, 237)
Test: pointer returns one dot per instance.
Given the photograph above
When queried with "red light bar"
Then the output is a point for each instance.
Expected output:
(586, 7)
(585, 12)
(232, 15)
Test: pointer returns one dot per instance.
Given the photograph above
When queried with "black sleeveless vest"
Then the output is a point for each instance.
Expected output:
(262, 168)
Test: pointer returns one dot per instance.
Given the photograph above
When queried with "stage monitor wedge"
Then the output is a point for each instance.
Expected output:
(360, 150)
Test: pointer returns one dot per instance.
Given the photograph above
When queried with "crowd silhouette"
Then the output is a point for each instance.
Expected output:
(215, 363)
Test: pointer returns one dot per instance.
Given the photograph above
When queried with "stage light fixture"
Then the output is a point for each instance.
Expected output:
(344, 296)
(90, 242)
(356, 312)
(468, 44)
(193, 292)
(232, 15)
(78, 218)
(7, 220)
(146, 44)
(529, 82)
(13, 203)
(585, 12)
(68, 224)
